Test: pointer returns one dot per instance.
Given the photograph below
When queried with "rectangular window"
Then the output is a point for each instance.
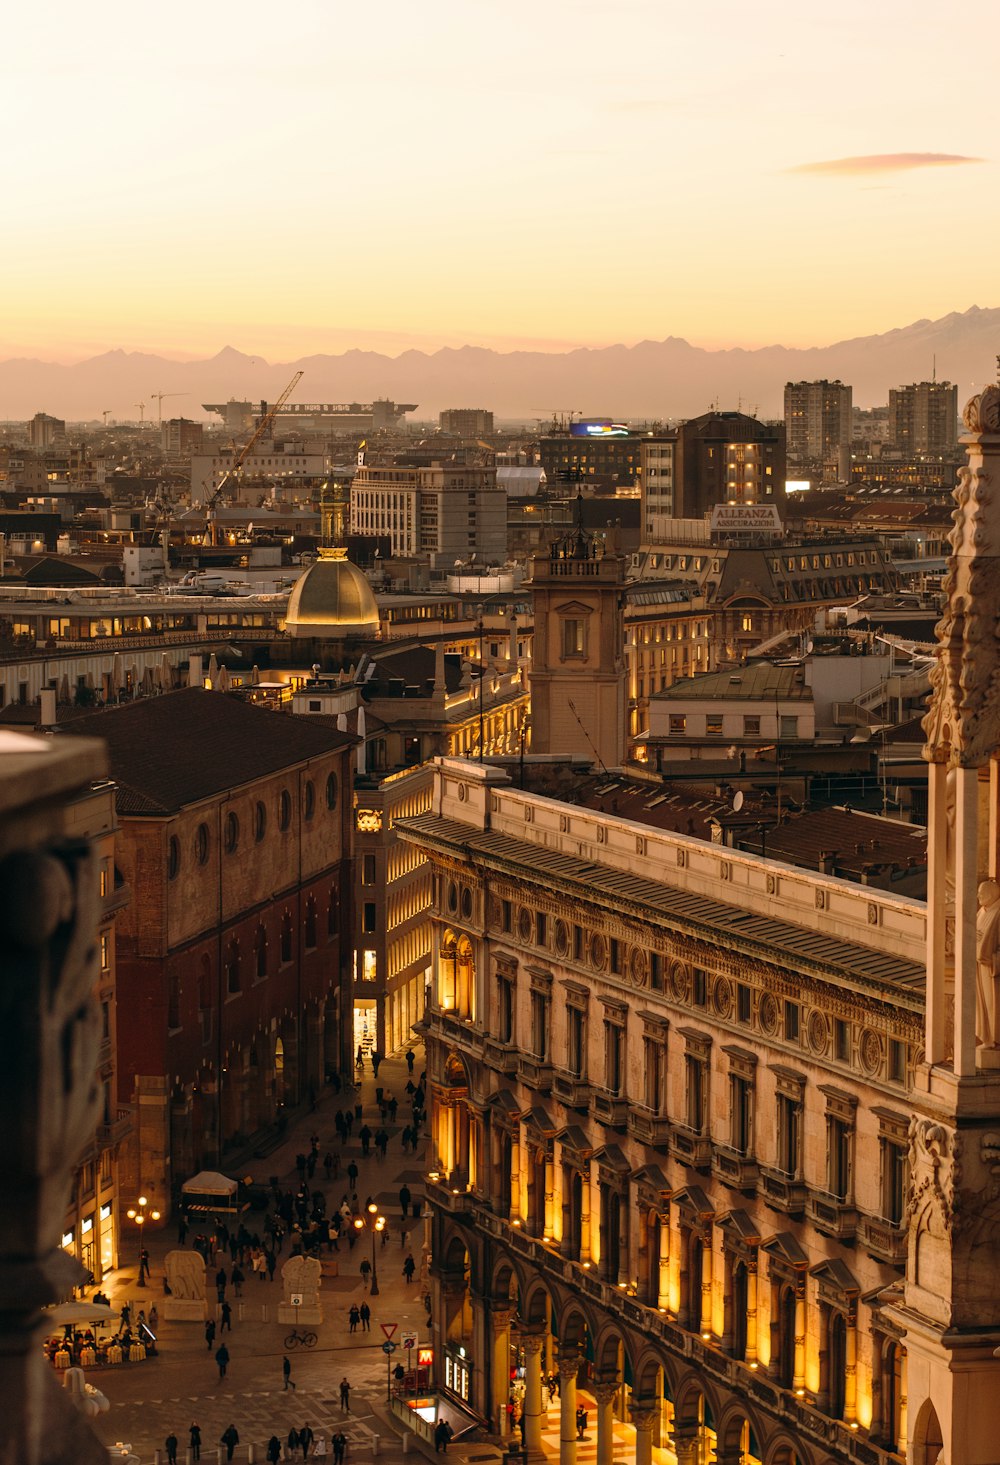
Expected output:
(572, 638)
(842, 1040)
(507, 916)
(656, 1072)
(699, 994)
(751, 727)
(616, 956)
(577, 943)
(894, 1181)
(789, 1134)
(369, 916)
(713, 727)
(740, 1114)
(838, 1140)
(694, 1108)
(539, 1025)
(105, 951)
(614, 1045)
(791, 1022)
(678, 725)
(368, 870)
(742, 1003)
(897, 1061)
(656, 971)
(540, 928)
(788, 727)
(505, 1026)
(576, 1042)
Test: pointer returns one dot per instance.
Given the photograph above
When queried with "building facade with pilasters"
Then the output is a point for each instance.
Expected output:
(670, 1106)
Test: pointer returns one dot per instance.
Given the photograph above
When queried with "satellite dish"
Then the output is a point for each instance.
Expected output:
(737, 801)
(809, 648)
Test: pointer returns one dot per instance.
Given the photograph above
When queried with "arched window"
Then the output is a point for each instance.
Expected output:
(233, 966)
(286, 936)
(457, 975)
(260, 952)
(310, 923)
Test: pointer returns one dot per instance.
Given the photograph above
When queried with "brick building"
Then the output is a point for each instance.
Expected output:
(233, 954)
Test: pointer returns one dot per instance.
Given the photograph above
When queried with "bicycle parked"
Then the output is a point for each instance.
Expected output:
(300, 1340)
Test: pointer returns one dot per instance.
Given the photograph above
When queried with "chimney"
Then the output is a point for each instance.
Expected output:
(47, 717)
(195, 674)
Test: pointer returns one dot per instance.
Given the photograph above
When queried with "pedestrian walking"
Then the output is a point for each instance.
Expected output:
(210, 1334)
(365, 1313)
(581, 1422)
(230, 1438)
(286, 1369)
(222, 1359)
(182, 1229)
(154, 1318)
(404, 1199)
(227, 1318)
(354, 1317)
(409, 1267)
(293, 1440)
(360, 1060)
(237, 1278)
(382, 1142)
(442, 1436)
(410, 1055)
(328, 1166)
(270, 1262)
(366, 1270)
(339, 1443)
(319, 1449)
(143, 1266)
(345, 1395)
(126, 1316)
(170, 1445)
(195, 1442)
(365, 1136)
(393, 1106)
(376, 1060)
(305, 1439)
(352, 1174)
(273, 1450)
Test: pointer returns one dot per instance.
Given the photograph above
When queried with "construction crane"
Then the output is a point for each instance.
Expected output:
(142, 411)
(562, 417)
(267, 417)
(106, 414)
(158, 399)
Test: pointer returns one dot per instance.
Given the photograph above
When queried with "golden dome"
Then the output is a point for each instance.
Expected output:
(332, 599)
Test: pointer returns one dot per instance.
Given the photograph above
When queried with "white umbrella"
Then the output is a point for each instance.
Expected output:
(255, 676)
(166, 673)
(222, 680)
(116, 673)
(360, 758)
(213, 669)
(77, 1313)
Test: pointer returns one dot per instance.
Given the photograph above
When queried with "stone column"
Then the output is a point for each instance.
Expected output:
(966, 887)
(568, 1219)
(706, 1287)
(799, 1379)
(851, 1371)
(500, 1365)
(685, 1445)
(568, 1370)
(643, 1415)
(750, 1356)
(903, 1441)
(663, 1284)
(605, 1395)
(624, 1269)
(515, 1175)
(937, 914)
(532, 1345)
(585, 1249)
(549, 1216)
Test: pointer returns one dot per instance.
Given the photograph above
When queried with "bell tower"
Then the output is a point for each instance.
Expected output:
(950, 1308)
(578, 652)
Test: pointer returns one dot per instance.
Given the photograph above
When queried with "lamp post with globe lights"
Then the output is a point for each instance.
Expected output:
(140, 1214)
(374, 1223)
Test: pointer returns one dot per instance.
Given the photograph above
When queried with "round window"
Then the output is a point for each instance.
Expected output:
(259, 822)
(201, 844)
(284, 810)
(232, 836)
(331, 791)
(173, 857)
(309, 808)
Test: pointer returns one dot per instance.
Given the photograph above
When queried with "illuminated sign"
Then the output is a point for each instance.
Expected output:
(425, 1357)
(746, 519)
(598, 427)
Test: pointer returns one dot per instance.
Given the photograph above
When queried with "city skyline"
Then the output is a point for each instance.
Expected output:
(507, 177)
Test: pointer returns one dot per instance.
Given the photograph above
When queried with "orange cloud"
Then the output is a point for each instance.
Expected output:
(885, 163)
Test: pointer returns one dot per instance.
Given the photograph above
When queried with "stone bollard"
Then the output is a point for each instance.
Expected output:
(263, 1312)
(156, 1457)
(374, 1446)
(406, 1443)
(252, 1454)
(239, 1312)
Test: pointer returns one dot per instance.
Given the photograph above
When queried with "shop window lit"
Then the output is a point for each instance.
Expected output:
(369, 966)
(456, 1376)
(105, 951)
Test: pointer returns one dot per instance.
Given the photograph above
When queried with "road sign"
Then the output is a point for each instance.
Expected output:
(388, 1328)
(388, 1347)
(409, 1340)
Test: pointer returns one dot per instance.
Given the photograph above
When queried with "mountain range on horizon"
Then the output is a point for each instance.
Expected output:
(653, 380)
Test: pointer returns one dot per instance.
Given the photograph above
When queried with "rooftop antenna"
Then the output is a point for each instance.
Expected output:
(572, 708)
(934, 367)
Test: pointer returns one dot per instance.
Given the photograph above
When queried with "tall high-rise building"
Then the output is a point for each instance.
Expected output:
(923, 417)
(180, 436)
(45, 431)
(818, 419)
(717, 458)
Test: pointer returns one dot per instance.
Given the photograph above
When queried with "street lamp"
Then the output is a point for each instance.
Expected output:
(139, 1214)
(375, 1224)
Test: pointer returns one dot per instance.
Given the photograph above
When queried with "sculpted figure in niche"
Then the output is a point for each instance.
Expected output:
(987, 975)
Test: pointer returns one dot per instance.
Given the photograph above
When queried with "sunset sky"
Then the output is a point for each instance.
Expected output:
(309, 178)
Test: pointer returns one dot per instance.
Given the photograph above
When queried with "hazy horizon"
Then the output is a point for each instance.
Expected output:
(507, 175)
